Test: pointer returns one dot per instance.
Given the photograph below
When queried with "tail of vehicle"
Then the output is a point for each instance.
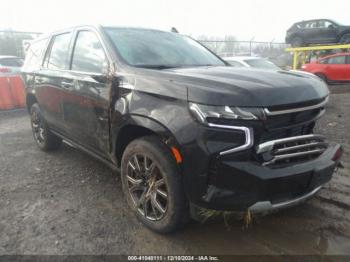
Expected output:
(5, 70)
(290, 32)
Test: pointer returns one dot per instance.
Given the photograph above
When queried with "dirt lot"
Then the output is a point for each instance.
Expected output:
(68, 203)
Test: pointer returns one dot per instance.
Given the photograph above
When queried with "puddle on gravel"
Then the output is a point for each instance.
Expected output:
(273, 235)
(260, 239)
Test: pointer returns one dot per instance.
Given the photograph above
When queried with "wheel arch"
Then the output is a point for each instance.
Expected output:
(347, 32)
(297, 35)
(30, 100)
(137, 127)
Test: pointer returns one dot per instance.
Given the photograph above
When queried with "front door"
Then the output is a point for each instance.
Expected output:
(85, 101)
(327, 32)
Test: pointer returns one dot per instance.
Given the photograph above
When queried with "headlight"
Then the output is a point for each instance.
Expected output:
(204, 112)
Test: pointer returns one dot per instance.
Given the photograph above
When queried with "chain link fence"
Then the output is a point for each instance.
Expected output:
(273, 51)
(14, 42)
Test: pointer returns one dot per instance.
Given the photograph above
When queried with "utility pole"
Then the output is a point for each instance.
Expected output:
(250, 45)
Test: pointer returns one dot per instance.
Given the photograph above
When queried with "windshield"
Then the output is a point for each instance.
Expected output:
(262, 64)
(336, 22)
(157, 49)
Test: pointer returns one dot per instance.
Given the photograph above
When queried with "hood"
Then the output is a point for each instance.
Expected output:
(246, 87)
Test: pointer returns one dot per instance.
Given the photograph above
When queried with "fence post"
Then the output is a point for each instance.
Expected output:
(250, 45)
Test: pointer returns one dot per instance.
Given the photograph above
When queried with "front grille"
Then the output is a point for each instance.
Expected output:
(296, 123)
(273, 134)
(292, 119)
(291, 124)
(291, 149)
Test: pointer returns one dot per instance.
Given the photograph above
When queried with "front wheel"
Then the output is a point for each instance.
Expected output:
(152, 185)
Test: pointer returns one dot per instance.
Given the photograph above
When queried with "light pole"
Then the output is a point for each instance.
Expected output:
(250, 45)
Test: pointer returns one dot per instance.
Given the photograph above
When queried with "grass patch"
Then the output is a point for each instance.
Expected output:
(227, 216)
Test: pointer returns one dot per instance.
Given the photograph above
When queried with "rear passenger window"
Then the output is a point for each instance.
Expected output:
(88, 55)
(336, 60)
(311, 25)
(59, 52)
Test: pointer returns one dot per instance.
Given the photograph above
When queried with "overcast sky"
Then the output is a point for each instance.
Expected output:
(263, 19)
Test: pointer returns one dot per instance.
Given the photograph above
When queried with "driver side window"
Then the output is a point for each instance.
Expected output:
(88, 55)
(328, 24)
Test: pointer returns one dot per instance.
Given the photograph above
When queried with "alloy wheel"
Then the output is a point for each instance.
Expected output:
(38, 128)
(147, 187)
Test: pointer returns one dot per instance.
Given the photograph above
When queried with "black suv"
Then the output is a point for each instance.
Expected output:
(186, 130)
(320, 31)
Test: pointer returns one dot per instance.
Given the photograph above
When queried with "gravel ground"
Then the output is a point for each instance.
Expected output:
(65, 202)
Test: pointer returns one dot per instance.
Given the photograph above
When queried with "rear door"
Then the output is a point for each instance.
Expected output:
(310, 32)
(51, 79)
(86, 101)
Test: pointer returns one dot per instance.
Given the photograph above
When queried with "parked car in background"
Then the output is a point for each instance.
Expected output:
(251, 61)
(318, 31)
(185, 130)
(332, 68)
(10, 64)
(259, 63)
(283, 60)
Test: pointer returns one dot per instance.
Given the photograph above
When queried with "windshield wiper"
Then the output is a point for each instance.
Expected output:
(160, 67)
(206, 65)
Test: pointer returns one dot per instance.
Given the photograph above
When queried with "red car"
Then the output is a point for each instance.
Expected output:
(332, 68)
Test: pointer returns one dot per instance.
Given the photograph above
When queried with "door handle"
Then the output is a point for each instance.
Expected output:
(67, 84)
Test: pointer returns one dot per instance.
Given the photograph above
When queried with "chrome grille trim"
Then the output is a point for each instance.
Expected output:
(293, 155)
(267, 146)
(290, 148)
(249, 139)
(293, 148)
(294, 110)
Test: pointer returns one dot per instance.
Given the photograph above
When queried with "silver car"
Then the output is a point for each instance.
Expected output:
(259, 63)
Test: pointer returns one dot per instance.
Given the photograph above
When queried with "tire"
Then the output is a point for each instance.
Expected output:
(43, 137)
(297, 42)
(345, 39)
(154, 190)
(322, 76)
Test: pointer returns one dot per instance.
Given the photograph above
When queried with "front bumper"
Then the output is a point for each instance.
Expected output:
(242, 185)
(267, 206)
